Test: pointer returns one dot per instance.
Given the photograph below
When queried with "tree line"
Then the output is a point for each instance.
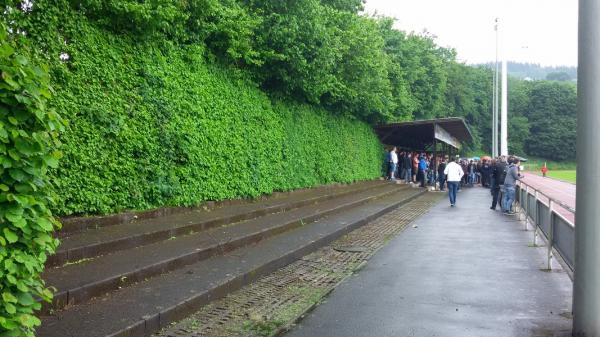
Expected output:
(328, 54)
(538, 72)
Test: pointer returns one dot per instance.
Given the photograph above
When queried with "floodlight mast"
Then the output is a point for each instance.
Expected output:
(586, 285)
(504, 110)
(495, 100)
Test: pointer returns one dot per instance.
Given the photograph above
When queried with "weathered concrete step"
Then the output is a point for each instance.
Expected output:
(94, 242)
(75, 224)
(142, 308)
(77, 283)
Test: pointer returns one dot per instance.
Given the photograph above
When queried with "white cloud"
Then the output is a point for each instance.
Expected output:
(535, 31)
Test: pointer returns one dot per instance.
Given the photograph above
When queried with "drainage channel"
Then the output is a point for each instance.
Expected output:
(274, 303)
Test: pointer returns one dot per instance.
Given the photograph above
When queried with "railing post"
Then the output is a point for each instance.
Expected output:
(536, 219)
(526, 207)
(519, 196)
(550, 233)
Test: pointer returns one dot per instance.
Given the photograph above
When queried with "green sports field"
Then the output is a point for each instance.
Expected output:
(566, 175)
(564, 170)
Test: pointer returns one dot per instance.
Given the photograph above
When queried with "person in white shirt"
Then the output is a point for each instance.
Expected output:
(454, 174)
(393, 163)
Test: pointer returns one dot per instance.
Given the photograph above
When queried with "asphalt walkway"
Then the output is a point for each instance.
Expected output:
(464, 271)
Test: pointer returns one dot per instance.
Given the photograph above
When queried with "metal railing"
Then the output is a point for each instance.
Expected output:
(558, 232)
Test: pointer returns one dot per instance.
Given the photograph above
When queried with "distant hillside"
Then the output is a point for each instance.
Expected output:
(538, 72)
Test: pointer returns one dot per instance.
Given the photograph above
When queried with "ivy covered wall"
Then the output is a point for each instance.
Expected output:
(155, 122)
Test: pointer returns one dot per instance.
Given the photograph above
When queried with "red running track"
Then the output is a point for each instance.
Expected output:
(555, 189)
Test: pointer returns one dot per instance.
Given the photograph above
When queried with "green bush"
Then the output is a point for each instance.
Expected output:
(159, 125)
(320, 148)
(151, 124)
(28, 142)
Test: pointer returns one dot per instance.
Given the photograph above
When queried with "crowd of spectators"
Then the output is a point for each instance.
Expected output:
(411, 167)
(498, 174)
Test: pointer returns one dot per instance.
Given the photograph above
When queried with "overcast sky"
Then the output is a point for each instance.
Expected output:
(535, 31)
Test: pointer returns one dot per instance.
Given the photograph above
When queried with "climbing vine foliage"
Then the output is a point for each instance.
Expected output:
(28, 142)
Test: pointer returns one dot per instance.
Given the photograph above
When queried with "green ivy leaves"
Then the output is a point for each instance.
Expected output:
(161, 126)
(28, 139)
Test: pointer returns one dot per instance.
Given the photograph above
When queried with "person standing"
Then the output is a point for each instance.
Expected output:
(471, 173)
(393, 163)
(485, 174)
(422, 169)
(454, 174)
(498, 175)
(408, 168)
(464, 164)
(510, 185)
(544, 170)
(401, 168)
(441, 175)
(386, 164)
(415, 166)
(431, 174)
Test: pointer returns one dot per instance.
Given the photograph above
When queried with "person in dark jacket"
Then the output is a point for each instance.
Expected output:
(498, 175)
(441, 175)
(408, 167)
(465, 167)
(401, 169)
(485, 174)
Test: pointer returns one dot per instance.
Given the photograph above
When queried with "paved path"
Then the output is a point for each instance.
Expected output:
(464, 271)
(555, 189)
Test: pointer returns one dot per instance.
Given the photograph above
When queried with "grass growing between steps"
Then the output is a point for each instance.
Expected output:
(274, 303)
(260, 326)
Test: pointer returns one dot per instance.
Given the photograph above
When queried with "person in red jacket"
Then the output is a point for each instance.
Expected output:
(544, 170)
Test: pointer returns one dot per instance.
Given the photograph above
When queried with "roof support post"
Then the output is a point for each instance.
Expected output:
(435, 163)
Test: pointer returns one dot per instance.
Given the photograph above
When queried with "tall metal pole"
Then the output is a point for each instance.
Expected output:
(504, 111)
(586, 286)
(493, 113)
(495, 104)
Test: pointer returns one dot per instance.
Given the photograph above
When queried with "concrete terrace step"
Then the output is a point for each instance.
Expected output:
(94, 242)
(76, 224)
(142, 308)
(77, 283)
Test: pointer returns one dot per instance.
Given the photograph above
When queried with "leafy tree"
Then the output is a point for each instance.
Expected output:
(353, 6)
(558, 76)
(467, 95)
(518, 108)
(365, 89)
(323, 56)
(425, 67)
(552, 115)
(404, 102)
(518, 132)
(141, 17)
